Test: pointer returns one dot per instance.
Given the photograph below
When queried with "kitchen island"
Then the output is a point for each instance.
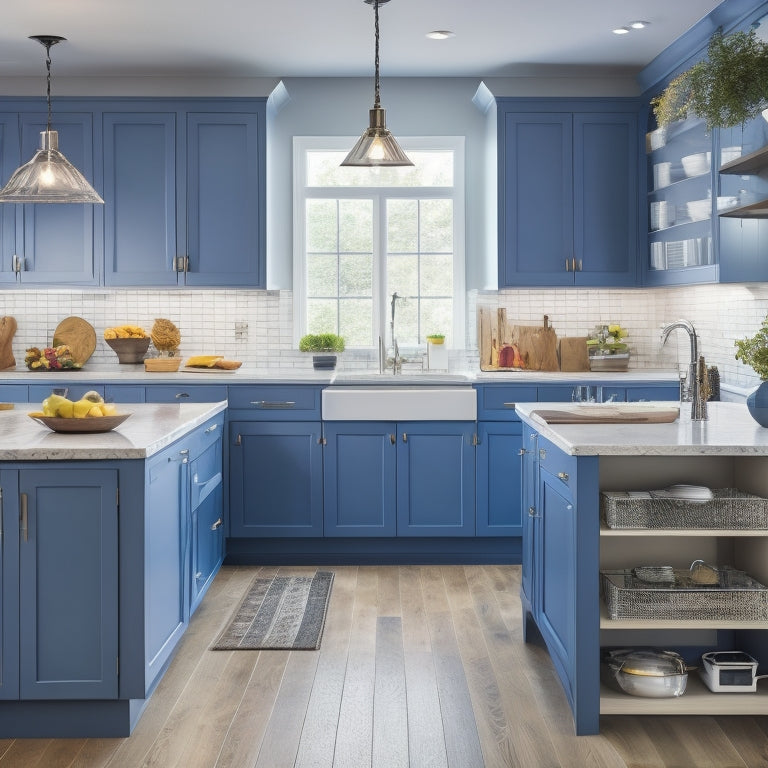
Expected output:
(109, 541)
(565, 467)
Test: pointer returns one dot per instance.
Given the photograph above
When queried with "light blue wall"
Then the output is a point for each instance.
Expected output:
(339, 107)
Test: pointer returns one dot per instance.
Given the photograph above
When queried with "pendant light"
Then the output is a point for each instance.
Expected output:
(377, 146)
(48, 177)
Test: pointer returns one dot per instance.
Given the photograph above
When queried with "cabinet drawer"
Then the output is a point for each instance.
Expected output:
(195, 393)
(497, 401)
(38, 392)
(553, 460)
(275, 402)
(205, 472)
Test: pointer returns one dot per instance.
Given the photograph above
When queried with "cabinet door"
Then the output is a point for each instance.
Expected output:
(605, 198)
(10, 159)
(140, 198)
(197, 393)
(207, 523)
(535, 199)
(435, 479)
(57, 245)
(9, 585)
(68, 584)
(226, 199)
(498, 484)
(72, 390)
(166, 605)
(556, 573)
(359, 476)
(276, 476)
(529, 503)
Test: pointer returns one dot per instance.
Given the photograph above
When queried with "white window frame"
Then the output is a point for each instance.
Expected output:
(304, 144)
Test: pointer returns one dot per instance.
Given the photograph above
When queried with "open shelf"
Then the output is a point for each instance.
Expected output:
(687, 532)
(697, 700)
(757, 210)
(606, 622)
(754, 162)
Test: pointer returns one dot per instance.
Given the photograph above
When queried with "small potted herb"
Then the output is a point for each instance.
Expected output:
(435, 338)
(328, 343)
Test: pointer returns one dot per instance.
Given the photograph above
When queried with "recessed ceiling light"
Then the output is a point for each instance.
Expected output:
(639, 24)
(440, 34)
(621, 31)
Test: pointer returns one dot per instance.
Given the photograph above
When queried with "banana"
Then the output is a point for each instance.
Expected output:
(203, 361)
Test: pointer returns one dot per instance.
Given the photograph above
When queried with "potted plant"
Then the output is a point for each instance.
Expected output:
(328, 343)
(726, 89)
(753, 351)
(435, 338)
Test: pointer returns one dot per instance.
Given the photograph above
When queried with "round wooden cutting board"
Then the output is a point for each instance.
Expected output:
(79, 335)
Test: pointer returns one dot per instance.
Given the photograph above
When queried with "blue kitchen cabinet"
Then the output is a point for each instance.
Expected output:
(10, 159)
(497, 499)
(59, 581)
(124, 393)
(206, 511)
(14, 393)
(184, 184)
(176, 393)
(568, 192)
(55, 244)
(68, 388)
(556, 587)
(140, 198)
(276, 479)
(359, 478)
(399, 479)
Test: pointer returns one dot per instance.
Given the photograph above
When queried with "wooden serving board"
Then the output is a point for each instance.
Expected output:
(79, 335)
(602, 414)
(7, 330)
(535, 346)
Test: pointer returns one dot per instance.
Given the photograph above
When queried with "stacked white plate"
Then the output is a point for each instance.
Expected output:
(698, 210)
(696, 165)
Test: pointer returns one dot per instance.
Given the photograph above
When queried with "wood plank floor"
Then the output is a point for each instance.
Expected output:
(422, 667)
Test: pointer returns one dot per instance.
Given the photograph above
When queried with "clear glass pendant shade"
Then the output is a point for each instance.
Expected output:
(377, 146)
(48, 178)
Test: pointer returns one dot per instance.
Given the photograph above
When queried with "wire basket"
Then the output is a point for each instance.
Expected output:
(737, 597)
(729, 509)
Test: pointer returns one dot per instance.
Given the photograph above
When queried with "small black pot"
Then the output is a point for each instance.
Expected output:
(323, 361)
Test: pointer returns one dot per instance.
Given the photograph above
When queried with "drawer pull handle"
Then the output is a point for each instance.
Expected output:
(24, 518)
(542, 453)
(274, 403)
(532, 512)
(392, 439)
(522, 452)
(563, 476)
(212, 428)
(217, 524)
(180, 395)
(510, 405)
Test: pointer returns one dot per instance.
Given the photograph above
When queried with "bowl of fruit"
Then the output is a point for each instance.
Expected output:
(88, 414)
(129, 342)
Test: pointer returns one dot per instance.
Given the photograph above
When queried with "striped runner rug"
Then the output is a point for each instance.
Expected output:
(279, 613)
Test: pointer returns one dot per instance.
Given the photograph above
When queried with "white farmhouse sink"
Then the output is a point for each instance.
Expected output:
(400, 403)
(427, 378)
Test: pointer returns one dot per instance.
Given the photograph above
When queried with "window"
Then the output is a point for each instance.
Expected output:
(364, 234)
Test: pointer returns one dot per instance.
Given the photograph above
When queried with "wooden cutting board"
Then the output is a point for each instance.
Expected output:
(538, 346)
(7, 330)
(573, 353)
(602, 414)
(79, 335)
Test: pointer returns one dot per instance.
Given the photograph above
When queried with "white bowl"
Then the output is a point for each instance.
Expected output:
(696, 165)
(727, 154)
(726, 202)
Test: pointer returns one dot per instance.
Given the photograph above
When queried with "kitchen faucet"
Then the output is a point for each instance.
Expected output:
(692, 391)
(396, 362)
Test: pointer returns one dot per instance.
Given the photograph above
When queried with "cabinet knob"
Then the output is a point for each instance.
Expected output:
(532, 512)
(563, 476)
(542, 453)
(217, 524)
(392, 439)
(405, 437)
(522, 452)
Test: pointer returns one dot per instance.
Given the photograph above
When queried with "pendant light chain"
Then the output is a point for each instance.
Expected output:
(48, 67)
(376, 96)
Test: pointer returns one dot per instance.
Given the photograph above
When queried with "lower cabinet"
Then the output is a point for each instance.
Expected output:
(276, 479)
(399, 479)
(497, 498)
(59, 572)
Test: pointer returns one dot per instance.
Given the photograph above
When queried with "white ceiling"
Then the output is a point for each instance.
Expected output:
(303, 38)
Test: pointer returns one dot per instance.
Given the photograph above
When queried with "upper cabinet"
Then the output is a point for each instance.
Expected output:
(184, 188)
(47, 244)
(184, 195)
(568, 192)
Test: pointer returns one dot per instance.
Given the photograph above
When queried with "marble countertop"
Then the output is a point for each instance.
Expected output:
(127, 374)
(150, 428)
(729, 431)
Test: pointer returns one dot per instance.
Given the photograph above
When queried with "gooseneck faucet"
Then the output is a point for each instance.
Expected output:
(692, 391)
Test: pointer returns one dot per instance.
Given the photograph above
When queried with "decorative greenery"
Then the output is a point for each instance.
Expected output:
(728, 88)
(754, 351)
(436, 337)
(607, 340)
(321, 342)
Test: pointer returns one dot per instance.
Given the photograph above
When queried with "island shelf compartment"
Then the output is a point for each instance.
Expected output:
(730, 509)
(738, 598)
